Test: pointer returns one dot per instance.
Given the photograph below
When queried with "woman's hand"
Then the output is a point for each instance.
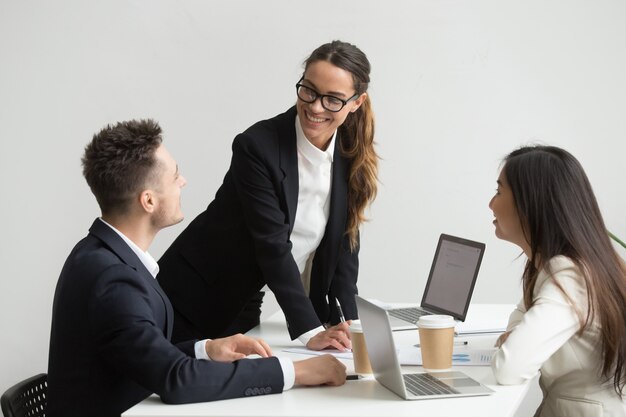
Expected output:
(502, 338)
(335, 337)
(236, 347)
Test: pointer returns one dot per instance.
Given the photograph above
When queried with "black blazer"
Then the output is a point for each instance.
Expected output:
(109, 346)
(242, 241)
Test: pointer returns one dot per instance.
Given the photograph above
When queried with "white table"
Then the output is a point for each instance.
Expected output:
(362, 398)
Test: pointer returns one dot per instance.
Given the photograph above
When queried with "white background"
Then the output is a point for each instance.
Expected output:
(456, 85)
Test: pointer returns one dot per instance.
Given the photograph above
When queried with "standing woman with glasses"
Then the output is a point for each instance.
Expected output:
(570, 326)
(287, 215)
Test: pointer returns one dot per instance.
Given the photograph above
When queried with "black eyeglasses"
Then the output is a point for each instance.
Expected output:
(330, 103)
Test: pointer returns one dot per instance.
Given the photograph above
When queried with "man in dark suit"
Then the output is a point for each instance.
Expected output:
(111, 322)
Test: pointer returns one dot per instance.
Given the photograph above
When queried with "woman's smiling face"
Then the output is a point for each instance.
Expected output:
(319, 124)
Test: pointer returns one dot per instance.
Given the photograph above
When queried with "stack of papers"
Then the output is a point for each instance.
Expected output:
(412, 355)
(304, 351)
(485, 318)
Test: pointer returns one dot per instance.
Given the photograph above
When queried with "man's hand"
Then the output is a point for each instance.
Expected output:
(320, 370)
(236, 347)
(337, 337)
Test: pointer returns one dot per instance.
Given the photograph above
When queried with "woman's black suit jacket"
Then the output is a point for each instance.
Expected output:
(109, 343)
(242, 240)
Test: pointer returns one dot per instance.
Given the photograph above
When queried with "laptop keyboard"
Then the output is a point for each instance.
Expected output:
(426, 384)
(410, 314)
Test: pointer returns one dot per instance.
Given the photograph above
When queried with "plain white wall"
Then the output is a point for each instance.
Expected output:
(455, 85)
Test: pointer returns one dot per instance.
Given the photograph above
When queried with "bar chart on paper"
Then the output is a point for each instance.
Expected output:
(462, 356)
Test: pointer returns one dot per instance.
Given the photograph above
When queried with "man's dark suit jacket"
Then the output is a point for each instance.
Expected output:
(109, 346)
(242, 240)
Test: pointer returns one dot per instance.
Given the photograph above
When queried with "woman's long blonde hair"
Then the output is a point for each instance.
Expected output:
(356, 133)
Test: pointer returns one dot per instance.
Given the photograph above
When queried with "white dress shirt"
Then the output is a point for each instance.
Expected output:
(315, 172)
(289, 374)
(314, 182)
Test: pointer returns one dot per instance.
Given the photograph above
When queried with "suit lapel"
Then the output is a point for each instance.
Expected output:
(289, 163)
(125, 253)
(339, 191)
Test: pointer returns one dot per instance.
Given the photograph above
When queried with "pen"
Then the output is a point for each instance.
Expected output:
(341, 317)
(456, 343)
(353, 377)
(340, 311)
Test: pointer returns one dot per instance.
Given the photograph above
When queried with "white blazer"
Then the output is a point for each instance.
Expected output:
(545, 339)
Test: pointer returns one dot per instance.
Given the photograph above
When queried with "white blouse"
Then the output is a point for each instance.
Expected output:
(314, 184)
(545, 339)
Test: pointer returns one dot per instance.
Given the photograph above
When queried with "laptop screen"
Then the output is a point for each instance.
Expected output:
(452, 276)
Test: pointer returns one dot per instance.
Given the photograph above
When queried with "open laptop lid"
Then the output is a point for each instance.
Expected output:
(452, 276)
(382, 354)
(381, 348)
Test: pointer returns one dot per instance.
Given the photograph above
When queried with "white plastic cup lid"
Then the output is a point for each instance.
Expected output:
(436, 321)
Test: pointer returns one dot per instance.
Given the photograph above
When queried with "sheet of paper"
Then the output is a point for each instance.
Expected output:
(411, 355)
(485, 318)
(304, 351)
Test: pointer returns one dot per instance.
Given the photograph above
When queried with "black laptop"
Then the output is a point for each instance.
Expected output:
(450, 285)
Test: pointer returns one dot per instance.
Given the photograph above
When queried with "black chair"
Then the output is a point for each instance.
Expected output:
(26, 398)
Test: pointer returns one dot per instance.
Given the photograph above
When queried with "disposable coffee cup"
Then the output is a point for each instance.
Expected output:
(359, 350)
(436, 342)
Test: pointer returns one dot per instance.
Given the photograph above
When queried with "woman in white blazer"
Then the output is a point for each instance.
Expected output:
(571, 324)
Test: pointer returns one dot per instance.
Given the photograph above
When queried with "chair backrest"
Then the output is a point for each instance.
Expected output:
(26, 398)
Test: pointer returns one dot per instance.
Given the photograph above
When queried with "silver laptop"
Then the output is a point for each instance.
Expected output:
(450, 284)
(384, 360)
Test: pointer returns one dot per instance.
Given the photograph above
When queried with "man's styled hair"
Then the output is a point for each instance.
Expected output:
(120, 162)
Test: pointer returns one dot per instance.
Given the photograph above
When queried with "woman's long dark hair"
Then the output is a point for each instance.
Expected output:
(356, 133)
(560, 216)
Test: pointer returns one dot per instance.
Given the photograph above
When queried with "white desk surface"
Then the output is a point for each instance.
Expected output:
(362, 398)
